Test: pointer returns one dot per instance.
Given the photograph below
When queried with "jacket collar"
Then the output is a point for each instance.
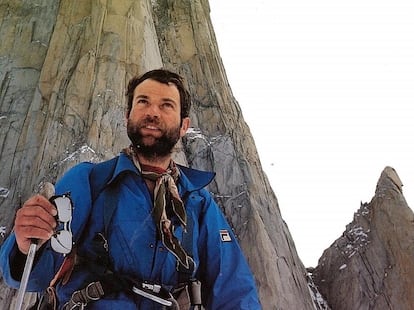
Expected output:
(190, 179)
(193, 179)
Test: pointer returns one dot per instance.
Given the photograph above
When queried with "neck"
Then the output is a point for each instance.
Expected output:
(159, 162)
(162, 162)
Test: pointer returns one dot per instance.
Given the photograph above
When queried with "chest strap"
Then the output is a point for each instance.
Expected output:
(111, 284)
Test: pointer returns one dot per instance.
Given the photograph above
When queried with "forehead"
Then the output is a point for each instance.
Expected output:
(154, 89)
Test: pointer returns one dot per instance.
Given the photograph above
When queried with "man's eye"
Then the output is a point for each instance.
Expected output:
(141, 101)
(168, 105)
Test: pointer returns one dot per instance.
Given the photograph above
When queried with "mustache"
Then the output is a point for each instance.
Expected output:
(150, 120)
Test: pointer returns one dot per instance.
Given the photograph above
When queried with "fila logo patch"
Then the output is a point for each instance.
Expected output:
(225, 235)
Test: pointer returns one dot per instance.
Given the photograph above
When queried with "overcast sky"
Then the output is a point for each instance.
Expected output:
(327, 89)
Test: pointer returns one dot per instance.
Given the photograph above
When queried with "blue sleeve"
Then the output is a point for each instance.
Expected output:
(7, 252)
(227, 281)
(42, 272)
(76, 182)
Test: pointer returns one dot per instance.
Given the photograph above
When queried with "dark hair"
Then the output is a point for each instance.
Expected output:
(163, 76)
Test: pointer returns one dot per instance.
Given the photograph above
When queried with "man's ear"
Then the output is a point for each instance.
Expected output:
(185, 124)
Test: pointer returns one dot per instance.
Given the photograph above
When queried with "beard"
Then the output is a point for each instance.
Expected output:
(161, 146)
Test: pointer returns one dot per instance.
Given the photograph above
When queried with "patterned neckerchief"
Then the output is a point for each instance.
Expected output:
(167, 203)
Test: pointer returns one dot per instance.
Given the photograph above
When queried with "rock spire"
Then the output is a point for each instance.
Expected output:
(371, 266)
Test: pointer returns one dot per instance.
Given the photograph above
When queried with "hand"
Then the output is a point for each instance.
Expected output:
(35, 220)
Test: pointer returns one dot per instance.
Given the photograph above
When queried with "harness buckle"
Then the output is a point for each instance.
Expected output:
(156, 288)
(74, 305)
(75, 302)
(94, 291)
(153, 291)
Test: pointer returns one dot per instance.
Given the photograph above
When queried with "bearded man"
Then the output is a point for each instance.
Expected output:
(138, 231)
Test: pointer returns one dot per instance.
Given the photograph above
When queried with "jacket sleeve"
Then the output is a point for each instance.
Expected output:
(38, 281)
(227, 281)
(47, 262)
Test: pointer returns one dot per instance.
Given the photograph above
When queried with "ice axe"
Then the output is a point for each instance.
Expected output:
(47, 190)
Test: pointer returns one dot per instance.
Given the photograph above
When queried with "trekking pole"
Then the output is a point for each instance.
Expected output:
(26, 273)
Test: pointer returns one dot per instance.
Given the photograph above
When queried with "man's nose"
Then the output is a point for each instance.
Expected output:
(153, 110)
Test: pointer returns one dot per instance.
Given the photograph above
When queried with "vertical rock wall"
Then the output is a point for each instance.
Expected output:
(63, 70)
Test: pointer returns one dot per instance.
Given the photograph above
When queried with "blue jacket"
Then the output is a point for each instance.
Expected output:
(134, 250)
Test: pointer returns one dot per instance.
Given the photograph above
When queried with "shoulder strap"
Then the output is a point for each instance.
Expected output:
(100, 175)
(110, 203)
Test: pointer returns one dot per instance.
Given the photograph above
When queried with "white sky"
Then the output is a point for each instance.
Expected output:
(327, 89)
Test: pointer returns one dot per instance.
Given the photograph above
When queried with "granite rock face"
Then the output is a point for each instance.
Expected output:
(64, 66)
(371, 266)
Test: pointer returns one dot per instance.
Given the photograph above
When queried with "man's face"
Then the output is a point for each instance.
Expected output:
(154, 125)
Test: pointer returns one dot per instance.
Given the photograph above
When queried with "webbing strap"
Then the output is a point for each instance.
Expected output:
(110, 204)
(111, 283)
(81, 298)
(100, 175)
